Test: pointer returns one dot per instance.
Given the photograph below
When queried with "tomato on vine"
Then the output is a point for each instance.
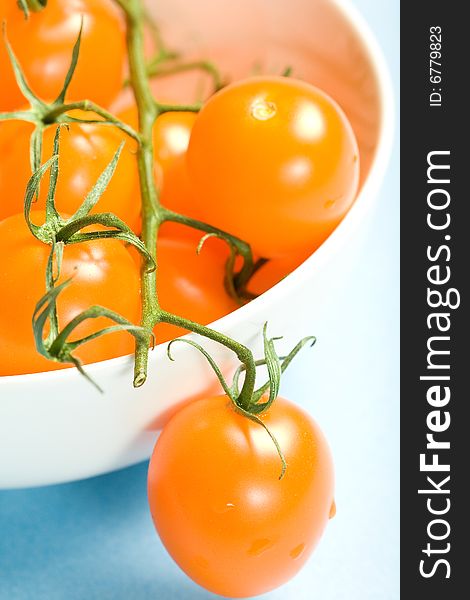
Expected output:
(171, 137)
(273, 272)
(217, 501)
(274, 161)
(43, 44)
(86, 149)
(100, 270)
(171, 133)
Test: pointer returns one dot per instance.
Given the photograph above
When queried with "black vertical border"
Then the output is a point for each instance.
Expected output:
(424, 129)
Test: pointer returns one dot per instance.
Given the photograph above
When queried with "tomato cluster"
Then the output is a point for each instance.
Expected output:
(269, 160)
(103, 271)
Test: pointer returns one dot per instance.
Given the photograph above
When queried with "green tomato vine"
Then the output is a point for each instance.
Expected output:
(57, 232)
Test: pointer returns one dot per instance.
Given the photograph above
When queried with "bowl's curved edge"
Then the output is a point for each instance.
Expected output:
(332, 245)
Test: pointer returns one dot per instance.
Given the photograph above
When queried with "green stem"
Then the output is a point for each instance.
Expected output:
(36, 5)
(243, 353)
(154, 214)
(163, 108)
(156, 69)
(242, 247)
(157, 39)
(148, 112)
(52, 114)
(125, 5)
(93, 312)
(20, 115)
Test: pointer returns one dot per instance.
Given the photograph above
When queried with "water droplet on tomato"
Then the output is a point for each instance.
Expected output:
(221, 509)
(297, 551)
(260, 546)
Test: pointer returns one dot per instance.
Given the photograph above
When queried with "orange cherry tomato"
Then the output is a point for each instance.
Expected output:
(217, 501)
(272, 272)
(85, 151)
(171, 138)
(171, 135)
(43, 45)
(102, 273)
(177, 193)
(190, 285)
(274, 161)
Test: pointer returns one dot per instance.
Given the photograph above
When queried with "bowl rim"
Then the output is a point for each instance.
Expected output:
(330, 246)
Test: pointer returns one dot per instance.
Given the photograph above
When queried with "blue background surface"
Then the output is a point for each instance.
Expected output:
(94, 539)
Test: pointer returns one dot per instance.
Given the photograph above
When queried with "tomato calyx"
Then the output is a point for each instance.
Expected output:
(235, 281)
(31, 5)
(43, 114)
(56, 346)
(247, 400)
(58, 231)
(276, 366)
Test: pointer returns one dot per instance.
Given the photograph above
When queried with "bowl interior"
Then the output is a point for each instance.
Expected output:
(313, 37)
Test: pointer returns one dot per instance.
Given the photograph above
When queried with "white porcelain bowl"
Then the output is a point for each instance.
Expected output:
(54, 427)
